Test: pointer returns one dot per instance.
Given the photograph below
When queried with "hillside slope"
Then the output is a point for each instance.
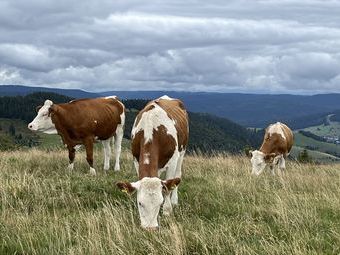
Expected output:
(310, 143)
(208, 133)
(250, 110)
(19, 90)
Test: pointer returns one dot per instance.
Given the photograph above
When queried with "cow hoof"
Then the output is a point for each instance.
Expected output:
(174, 203)
(166, 213)
(92, 171)
(70, 167)
(117, 168)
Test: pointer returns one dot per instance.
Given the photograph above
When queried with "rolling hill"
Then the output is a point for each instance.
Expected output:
(18, 90)
(249, 110)
(315, 156)
(208, 133)
(324, 137)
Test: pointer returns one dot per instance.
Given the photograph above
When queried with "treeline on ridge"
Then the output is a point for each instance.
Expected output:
(313, 120)
(207, 132)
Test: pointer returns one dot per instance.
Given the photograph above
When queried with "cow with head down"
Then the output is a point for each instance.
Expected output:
(159, 140)
(83, 122)
(276, 146)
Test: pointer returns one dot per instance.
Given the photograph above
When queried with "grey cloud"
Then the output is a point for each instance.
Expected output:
(246, 45)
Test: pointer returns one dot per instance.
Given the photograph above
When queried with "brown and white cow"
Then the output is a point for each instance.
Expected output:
(277, 143)
(159, 140)
(84, 121)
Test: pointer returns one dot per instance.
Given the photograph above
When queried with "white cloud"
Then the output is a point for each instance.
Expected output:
(10, 76)
(257, 46)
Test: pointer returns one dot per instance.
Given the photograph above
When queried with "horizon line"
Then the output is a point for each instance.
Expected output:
(179, 91)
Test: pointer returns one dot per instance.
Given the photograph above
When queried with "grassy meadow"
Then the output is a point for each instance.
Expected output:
(330, 130)
(316, 156)
(45, 209)
(303, 141)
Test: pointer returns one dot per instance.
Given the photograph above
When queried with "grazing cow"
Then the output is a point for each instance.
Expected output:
(277, 143)
(159, 140)
(84, 121)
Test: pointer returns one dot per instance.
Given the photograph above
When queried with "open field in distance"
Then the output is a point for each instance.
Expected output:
(316, 156)
(331, 130)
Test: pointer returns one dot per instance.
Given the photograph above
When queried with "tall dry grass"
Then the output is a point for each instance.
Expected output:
(223, 210)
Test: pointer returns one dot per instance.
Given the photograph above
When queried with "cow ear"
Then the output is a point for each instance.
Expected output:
(48, 102)
(170, 184)
(38, 108)
(276, 159)
(269, 157)
(249, 153)
(52, 109)
(126, 187)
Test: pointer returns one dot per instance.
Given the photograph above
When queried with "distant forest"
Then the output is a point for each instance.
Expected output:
(207, 132)
(312, 120)
(336, 116)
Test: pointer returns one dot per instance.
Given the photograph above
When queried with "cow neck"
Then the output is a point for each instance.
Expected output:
(264, 150)
(272, 144)
(59, 120)
(148, 161)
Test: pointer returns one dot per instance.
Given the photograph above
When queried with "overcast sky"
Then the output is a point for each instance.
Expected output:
(268, 46)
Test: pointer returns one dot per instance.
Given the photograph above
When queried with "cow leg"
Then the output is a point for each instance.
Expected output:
(282, 165)
(118, 145)
(260, 172)
(178, 174)
(136, 164)
(167, 207)
(170, 174)
(107, 153)
(272, 168)
(89, 154)
(71, 156)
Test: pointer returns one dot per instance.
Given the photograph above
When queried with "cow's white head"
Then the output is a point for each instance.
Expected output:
(43, 122)
(259, 161)
(150, 192)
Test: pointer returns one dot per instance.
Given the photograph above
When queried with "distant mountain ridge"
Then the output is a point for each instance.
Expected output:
(251, 110)
(19, 90)
(219, 134)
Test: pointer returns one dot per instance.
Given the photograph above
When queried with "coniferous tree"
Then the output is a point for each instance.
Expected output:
(304, 157)
(11, 130)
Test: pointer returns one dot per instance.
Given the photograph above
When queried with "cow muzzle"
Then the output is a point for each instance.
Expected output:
(31, 127)
(151, 229)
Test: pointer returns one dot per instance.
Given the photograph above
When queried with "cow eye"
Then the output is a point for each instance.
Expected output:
(140, 204)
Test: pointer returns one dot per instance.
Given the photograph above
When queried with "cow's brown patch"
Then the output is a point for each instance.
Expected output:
(176, 111)
(274, 144)
(170, 184)
(269, 158)
(125, 187)
(162, 146)
(159, 150)
(82, 121)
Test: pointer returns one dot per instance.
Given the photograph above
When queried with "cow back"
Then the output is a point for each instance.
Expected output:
(154, 142)
(96, 117)
(176, 111)
(275, 142)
